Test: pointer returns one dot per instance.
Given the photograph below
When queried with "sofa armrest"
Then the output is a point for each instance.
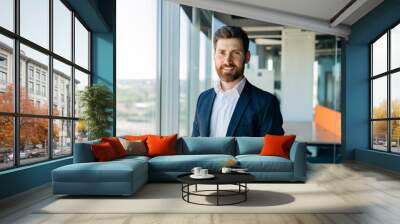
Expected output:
(83, 152)
(298, 157)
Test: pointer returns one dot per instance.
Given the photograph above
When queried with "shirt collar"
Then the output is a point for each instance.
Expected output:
(238, 88)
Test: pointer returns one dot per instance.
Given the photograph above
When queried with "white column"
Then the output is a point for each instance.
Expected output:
(169, 68)
(298, 55)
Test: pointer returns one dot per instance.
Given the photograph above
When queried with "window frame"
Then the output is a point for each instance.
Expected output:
(388, 74)
(16, 114)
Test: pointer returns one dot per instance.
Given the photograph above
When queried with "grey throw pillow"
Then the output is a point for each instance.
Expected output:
(137, 147)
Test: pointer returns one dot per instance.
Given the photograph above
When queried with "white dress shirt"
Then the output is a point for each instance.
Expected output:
(224, 105)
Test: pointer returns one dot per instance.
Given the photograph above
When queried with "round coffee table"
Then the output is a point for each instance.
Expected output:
(238, 179)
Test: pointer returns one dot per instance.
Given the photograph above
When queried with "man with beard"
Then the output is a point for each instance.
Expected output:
(235, 107)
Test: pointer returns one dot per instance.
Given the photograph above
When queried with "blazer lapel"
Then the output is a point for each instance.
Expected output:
(240, 107)
(208, 106)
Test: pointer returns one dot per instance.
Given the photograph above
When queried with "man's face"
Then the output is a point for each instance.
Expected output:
(230, 59)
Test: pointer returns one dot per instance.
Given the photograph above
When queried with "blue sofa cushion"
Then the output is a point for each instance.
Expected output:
(111, 171)
(185, 163)
(207, 145)
(249, 145)
(257, 163)
(83, 153)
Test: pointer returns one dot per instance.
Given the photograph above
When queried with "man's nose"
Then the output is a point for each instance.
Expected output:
(228, 58)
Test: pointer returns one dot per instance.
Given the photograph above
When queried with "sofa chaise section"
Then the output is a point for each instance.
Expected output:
(87, 177)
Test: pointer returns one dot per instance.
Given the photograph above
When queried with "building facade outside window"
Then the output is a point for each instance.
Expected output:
(34, 142)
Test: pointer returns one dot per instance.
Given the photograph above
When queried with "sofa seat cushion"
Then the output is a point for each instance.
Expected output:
(207, 145)
(111, 171)
(185, 163)
(257, 163)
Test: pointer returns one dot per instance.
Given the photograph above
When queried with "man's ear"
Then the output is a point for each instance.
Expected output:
(247, 57)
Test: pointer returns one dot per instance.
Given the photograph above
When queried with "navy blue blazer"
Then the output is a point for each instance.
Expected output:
(256, 113)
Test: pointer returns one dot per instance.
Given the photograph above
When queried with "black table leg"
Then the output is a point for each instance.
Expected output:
(217, 194)
(245, 193)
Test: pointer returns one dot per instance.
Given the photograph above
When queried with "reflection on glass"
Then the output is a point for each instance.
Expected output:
(379, 98)
(62, 138)
(35, 21)
(379, 55)
(379, 135)
(196, 66)
(7, 14)
(81, 131)
(62, 29)
(81, 81)
(6, 142)
(395, 136)
(33, 139)
(183, 75)
(6, 74)
(34, 94)
(81, 45)
(395, 94)
(395, 47)
(62, 89)
(137, 88)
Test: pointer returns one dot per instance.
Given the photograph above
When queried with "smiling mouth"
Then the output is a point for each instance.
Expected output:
(228, 69)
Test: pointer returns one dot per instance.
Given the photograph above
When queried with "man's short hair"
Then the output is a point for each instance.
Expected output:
(227, 32)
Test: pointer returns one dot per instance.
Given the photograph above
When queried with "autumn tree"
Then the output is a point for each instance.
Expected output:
(380, 127)
(33, 131)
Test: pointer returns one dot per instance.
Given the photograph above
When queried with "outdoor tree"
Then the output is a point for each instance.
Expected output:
(33, 131)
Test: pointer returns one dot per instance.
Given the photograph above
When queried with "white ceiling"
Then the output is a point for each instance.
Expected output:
(319, 9)
(314, 15)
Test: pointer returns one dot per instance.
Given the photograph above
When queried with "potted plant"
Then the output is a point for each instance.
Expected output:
(96, 103)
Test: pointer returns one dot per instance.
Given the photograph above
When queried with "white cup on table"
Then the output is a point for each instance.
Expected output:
(203, 172)
(196, 170)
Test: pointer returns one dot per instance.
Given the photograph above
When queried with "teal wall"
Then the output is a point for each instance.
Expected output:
(99, 16)
(24, 178)
(356, 109)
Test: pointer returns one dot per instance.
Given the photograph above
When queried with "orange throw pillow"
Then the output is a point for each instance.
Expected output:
(277, 145)
(136, 137)
(161, 145)
(103, 152)
(116, 145)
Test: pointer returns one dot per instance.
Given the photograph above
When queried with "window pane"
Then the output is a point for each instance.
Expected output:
(395, 94)
(35, 21)
(62, 89)
(137, 88)
(395, 47)
(6, 74)
(62, 29)
(379, 100)
(81, 131)
(379, 55)
(33, 139)
(81, 45)
(7, 14)
(34, 97)
(62, 138)
(379, 135)
(395, 136)
(6, 142)
(81, 81)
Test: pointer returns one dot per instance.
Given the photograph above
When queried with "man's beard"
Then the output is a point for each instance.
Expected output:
(228, 77)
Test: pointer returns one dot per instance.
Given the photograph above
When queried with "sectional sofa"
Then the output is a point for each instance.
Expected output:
(125, 176)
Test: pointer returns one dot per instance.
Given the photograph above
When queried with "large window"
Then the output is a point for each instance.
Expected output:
(385, 94)
(40, 81)
(137, 83)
